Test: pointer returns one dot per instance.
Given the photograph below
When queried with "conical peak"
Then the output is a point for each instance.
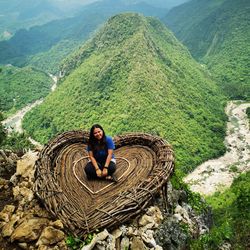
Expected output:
(120, 27)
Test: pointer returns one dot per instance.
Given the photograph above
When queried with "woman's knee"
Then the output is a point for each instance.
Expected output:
(112, 167)
(89, 170)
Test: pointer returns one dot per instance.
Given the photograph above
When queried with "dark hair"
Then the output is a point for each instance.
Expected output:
(93, 143)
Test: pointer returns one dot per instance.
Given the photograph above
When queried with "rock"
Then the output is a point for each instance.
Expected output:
(146, 221)
(6, 213)
(125, 243)
(99, 237)
(3, 183)
(29, 230)
(225, 246)
(148, 238)
(23, 193)
(155, 212)
(23, 245)
(100, 246)
(158, 248)
(131, 231)
(57, 224)
(137, 244)
(25, 166)
(182, 215)
(8, 228)
(62, 245)
(49, 236)
(170, 235)
(116, 233)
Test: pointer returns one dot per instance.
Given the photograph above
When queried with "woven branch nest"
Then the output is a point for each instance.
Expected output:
(144, 164)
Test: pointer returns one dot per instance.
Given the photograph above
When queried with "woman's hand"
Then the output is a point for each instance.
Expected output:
(98, 172)
(104, 172)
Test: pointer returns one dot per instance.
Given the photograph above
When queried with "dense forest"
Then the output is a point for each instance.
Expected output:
(216, 33)
(19, 86)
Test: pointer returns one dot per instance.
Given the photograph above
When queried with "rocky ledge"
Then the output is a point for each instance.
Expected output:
(25, 224)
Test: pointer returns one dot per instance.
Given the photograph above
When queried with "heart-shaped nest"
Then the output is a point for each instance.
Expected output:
(144, 164)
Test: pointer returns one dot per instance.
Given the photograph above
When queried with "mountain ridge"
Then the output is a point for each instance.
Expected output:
(217, 35)
(144, 81)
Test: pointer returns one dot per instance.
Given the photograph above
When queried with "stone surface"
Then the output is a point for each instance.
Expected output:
(125, 243)
(99, 237)
(25, 166)
(23, 193)
(57, 224)
(29, 230)
(6, 213)
(116, 233)
(49, 236)
(8, 228)
(137, 244)
(146, 221)
(23, 245)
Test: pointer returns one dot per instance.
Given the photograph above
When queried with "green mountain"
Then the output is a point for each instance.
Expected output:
(217, 33)
(17, 14)
(134, 75)
(20, 86)
(60, 37)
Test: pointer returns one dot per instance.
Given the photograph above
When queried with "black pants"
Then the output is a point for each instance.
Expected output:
(91, 172)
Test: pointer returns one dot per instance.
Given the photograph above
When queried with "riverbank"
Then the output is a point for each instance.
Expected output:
(218, 174)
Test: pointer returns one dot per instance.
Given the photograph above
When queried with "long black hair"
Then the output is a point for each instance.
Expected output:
(95, 144)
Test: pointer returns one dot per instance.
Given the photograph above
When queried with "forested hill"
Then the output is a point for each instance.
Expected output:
(217, 33)
(134, 75)
(45, 46)
(20, 86)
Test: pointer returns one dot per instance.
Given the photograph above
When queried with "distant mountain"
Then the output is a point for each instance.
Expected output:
(17, 14)
(18, 87)
(164, 3)
(217, 34)
(28, 46)
(134, 75)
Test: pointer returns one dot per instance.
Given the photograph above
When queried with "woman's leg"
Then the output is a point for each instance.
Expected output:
(111, 168)
(90, 171)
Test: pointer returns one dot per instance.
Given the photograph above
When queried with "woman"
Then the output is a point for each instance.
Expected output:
(102, 160)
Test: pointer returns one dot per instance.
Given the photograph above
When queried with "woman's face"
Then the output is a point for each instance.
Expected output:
(98, 133)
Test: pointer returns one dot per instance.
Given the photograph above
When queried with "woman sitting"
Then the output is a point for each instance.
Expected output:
(100, 148)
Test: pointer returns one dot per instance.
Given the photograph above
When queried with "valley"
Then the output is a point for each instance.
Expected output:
(218, 174)
(14, 122)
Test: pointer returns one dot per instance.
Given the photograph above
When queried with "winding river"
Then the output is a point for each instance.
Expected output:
(14, 122)
(218, 174)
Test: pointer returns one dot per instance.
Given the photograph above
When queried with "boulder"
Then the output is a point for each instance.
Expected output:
(29, 230)
(6, 213)
(137, 244)
(25, 166)
(125, 243)
(57, 224)
(146, 221)
(9, 227)
(50, 236)
(23, 193)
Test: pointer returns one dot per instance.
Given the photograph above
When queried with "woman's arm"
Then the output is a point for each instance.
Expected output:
(108, 159)
(93, 160)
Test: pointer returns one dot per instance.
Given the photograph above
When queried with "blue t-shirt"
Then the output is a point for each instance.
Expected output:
(101, 155)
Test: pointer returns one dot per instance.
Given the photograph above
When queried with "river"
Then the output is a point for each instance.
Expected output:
(14, 122)
(218, 174)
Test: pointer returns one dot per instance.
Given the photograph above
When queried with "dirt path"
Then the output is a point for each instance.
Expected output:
(217, 174)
